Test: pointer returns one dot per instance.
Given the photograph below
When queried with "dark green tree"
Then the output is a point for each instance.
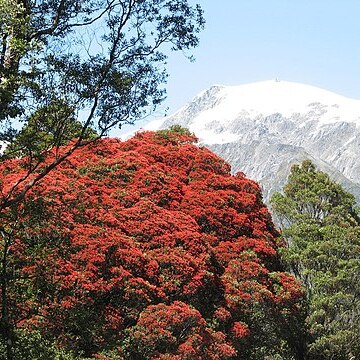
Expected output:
(52, 126)
(321, 225)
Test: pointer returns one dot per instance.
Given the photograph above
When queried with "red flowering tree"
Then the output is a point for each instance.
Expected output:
(151, 249)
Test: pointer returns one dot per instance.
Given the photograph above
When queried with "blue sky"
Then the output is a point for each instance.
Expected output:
(316, 42)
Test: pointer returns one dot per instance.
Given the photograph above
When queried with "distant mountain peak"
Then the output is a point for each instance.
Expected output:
(271, 97)
(263, 127)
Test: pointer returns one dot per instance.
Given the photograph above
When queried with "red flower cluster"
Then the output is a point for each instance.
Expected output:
(150, 247)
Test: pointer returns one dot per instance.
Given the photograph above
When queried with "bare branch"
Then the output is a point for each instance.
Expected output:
(57, 18)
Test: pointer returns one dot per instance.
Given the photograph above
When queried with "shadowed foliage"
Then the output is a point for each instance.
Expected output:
(321, 226)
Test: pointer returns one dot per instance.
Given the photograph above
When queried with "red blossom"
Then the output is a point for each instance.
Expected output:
(151, 243)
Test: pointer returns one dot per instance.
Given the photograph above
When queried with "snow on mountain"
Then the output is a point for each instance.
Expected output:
(263, 128)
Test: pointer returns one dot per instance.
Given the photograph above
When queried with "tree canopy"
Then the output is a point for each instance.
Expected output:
(99, 63)
(69, 72)
(321, 225)
(148, 249)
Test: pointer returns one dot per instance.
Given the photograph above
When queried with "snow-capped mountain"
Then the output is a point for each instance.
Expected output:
(263, 128)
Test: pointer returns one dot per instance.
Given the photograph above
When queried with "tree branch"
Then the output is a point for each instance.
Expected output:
(56, 21)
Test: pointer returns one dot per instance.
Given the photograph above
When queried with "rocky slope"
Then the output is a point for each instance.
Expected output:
(263, 128)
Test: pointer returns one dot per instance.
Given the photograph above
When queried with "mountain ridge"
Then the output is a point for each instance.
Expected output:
(263, 128)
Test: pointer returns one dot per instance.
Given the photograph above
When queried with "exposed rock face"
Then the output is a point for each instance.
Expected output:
(263, 128)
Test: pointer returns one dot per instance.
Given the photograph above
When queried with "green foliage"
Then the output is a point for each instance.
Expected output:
(48, 53)
(175, 134)
(31, 345)
(53, 125)
(174, 129)
(322, 229)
